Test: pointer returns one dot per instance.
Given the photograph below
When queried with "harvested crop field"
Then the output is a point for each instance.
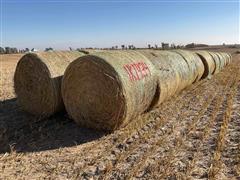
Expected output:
(195, 135)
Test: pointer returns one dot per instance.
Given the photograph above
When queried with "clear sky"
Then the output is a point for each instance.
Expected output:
(61, 24)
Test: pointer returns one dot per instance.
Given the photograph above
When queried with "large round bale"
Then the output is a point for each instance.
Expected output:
(226, 57)
(208, 62)
(194, 62)
(222, 60)
(216, 61)
(108, 89)
(223, 57)
(37, 81)
(172, 71)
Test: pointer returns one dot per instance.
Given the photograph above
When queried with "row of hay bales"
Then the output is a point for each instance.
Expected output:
(107, 89)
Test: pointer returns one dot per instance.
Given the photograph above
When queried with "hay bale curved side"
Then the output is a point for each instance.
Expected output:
(108, 89)
(229, 57)
(194, 62)
(37, 81)
(172, 71)
(226, 57)
(208, 62)
(216, 61)
(222, 60)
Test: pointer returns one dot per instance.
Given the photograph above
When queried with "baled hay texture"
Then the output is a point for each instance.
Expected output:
(108, 89)
(172, 71)
(222, 60)
(208, 63)
(216, 61)
(226, 57)
(90, 51)
(194, 62)
(229, 57)
(37, 81)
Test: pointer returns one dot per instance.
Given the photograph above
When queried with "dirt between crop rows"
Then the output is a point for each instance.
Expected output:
(195, 135)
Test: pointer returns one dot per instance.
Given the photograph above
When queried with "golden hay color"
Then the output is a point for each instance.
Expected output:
(226, 57)
(216, 61)
(172, 71)
(222, 60)
(208, 62)
(108, 89)
(194, 62)
(37, 81)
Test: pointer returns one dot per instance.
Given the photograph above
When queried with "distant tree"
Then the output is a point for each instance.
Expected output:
(2, 50)
(71, 49)
(123, 46)
(26, 50)
(156, 46)
(173, 46)
(116, 47)
(7, 50)
(149, 46)
(165, 45)
(191, 45)
(14, 50)
(49, 49)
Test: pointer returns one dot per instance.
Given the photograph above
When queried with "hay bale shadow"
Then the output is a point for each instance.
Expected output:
(22, 132)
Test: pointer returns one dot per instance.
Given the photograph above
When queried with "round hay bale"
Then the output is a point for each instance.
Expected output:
(216, 61)
(194, 62)
(37, 81)
(222, 60)
(229, 58)
(226, 57)
(172, 71)
(208, 63)
(108, 89)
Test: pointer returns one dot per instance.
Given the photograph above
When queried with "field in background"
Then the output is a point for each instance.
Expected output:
(194, 135)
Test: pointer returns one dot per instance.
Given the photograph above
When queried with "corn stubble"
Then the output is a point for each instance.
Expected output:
(195, 135)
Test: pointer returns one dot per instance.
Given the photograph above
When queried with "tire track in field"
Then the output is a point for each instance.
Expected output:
(170, 157)
(120, 155)
(134, 157)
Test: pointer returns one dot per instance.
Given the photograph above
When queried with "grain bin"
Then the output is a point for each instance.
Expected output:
(208, 62)
(37, 81)
(194, 62)
(172, 71)
(216, 61)
(108, 89)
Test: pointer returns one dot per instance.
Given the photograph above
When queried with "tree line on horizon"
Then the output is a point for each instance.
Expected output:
(14, 50)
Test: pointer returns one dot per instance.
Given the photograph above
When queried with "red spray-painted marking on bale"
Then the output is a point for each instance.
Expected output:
(137, 71)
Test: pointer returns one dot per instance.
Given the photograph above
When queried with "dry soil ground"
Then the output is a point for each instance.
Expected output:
(195, 135)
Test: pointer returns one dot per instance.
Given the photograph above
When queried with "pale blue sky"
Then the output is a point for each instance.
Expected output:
(61, 24)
